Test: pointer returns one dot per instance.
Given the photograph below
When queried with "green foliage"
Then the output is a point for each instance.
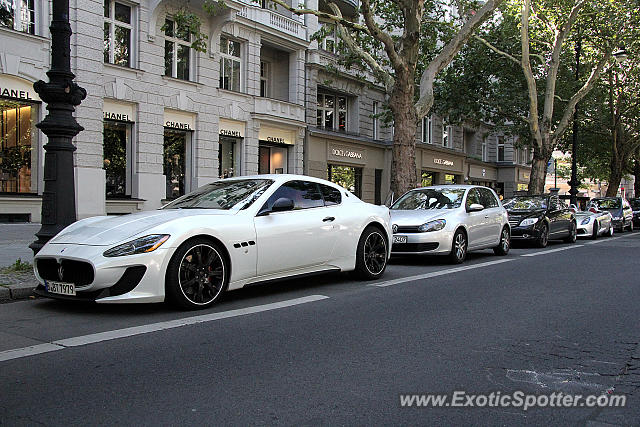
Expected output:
(17, 267)
(188, 23)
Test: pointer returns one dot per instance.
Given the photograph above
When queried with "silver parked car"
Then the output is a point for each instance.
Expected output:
(593, 223)
(449, 220)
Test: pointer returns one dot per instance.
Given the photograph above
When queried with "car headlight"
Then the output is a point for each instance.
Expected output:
(138, 246)
(585, 221)
(528, 221)
(617, 218)
(436, 225)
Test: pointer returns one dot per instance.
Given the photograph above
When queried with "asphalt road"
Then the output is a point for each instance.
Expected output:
(330, 350)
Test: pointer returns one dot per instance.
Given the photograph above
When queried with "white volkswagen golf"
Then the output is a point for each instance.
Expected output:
(225, 235)
(449, 220)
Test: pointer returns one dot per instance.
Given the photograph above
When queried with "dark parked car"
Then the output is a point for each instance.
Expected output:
(635, 205)
(539, 218)
(619, 209)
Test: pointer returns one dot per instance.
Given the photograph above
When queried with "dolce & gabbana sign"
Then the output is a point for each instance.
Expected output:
(346, 154)
(443, 162)
(343, 152)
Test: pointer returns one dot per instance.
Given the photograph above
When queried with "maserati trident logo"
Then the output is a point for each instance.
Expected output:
(395, 228)
(60, 272)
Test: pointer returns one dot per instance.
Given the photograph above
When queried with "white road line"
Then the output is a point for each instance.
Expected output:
(439, 273)
(28, 351)
(153, 327)
(607, 239)
(566, 248)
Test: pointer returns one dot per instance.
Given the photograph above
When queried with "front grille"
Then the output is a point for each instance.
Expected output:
(414, 247)
(514, 222)
(582, 231)
(79, 273)
(408, 229)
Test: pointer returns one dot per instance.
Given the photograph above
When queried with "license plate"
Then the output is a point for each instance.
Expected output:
(61, 288)
(399, 239)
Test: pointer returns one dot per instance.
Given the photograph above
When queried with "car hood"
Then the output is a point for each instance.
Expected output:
(419, 216)
(518, 213)
(108, 230)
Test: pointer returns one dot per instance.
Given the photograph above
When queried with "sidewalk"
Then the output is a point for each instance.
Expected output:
(14, 244)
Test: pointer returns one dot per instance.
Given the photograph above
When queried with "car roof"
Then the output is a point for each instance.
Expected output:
(284, 177)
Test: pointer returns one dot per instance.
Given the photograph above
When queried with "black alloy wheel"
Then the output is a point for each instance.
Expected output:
(505, 243)
(543, 240)
(371, 254)
(197, 274)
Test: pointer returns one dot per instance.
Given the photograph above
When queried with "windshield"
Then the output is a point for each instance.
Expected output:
(223, 195)
(605, 203)
(430, 198)
(526, 203)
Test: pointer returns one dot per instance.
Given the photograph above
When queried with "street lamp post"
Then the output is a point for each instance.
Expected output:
(61, 95)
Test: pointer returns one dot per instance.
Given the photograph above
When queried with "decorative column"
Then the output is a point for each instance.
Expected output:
(61, 95)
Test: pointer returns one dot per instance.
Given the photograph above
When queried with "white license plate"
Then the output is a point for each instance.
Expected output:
(61, 288)
(399, 239)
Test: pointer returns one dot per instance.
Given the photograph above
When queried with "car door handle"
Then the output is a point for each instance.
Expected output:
(328, 219)
(486, 216)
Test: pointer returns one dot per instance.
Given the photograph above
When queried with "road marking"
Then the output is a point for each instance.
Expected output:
(439, 273)
(554, 250)
(607, 239)
(153, 327)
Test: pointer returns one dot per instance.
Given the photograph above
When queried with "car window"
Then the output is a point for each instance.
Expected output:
(304, 194)
(605, 203)
(331, 195)
(430, 198)
(472, 197)
(487, 199)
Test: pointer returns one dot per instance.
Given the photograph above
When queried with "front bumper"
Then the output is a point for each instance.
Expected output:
(525, 233)
(433, 242)
(584, 230)
(133, 278)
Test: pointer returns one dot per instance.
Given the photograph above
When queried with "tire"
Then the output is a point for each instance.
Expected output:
(596, 227)
(371, 254)
(505, 243)
(610, 232)
(630, 226)
(573, 233)
(543, 240)
(197, 274)
(459, 247)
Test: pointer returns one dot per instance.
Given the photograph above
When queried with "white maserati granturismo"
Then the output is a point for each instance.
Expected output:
(224, 235)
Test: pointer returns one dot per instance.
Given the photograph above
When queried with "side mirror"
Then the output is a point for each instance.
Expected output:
(475, 207)
(282, 204)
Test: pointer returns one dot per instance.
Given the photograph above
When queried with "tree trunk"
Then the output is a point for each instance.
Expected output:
(403, 165)
(615, 176)
(538, 176)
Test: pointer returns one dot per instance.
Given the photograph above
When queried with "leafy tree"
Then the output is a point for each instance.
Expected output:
(533, 91)
(405, 44)
(612, 124)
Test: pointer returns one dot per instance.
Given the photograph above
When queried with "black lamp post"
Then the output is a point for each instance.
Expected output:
(61, 95)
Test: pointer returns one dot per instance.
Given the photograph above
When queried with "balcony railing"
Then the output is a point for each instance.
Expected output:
(274, 20)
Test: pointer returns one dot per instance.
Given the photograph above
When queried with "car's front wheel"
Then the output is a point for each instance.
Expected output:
(458, 247)
(505, 243)
(371, 254)
(630, 226)
(596, 228)
(544, 236)
(197, 274)
(610, 232)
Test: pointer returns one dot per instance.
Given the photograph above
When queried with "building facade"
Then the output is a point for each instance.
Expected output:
(162, 118)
